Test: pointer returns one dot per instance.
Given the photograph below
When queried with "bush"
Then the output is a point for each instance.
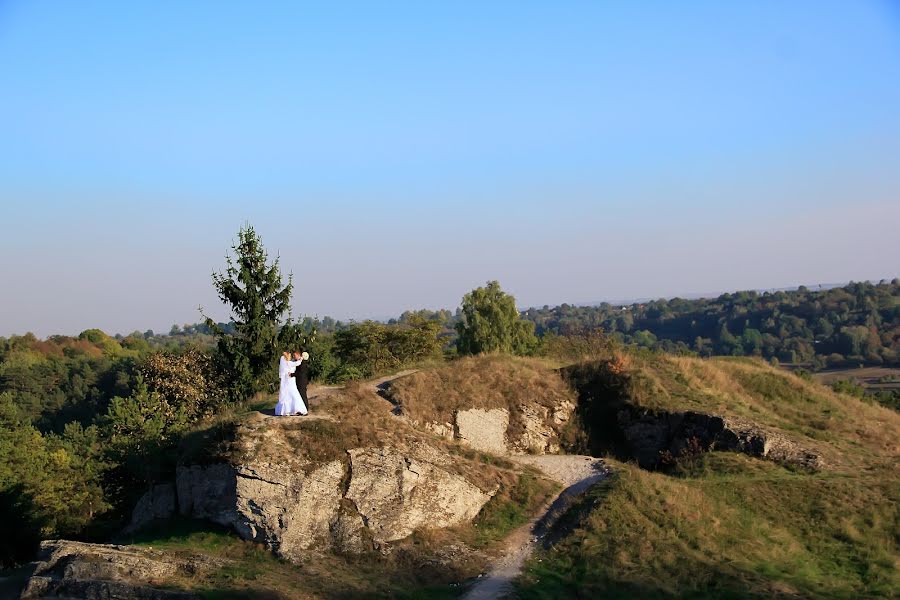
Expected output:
(186, 380)
(848, 386)
(368, 348)
(588, 345)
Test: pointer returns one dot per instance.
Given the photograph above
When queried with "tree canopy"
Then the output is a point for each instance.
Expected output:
(491, 323)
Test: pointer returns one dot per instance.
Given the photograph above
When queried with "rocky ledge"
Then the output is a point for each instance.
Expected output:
(355, 504)
(535, 428)
(78, 570)
(654, 437)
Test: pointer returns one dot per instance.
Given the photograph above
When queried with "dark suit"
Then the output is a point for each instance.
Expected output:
(301, 374)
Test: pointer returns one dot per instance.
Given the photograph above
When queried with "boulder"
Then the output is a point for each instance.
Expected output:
(381, 495)
(79, 570)
(397, 493)
(286, 509)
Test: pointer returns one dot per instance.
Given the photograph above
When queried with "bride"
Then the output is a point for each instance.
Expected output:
(290, 402)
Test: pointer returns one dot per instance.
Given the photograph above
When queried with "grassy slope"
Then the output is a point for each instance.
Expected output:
(848, 432)
(491, 381)
(728, 525)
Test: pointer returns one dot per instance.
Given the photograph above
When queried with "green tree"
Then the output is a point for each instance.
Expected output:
(184, 379)
(491, 323)
(253, 288)
(141, 431)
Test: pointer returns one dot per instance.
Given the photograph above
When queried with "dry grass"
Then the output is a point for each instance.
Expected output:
(730, 526)
(734, 527)
(246, 571)
(486, 382)
(846, 430)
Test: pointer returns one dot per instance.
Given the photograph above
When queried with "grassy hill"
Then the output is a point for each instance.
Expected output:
(727, 525)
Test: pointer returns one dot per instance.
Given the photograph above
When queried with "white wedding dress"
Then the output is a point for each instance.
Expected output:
(290, 402)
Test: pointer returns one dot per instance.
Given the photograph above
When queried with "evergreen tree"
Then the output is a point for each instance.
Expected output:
(491, 323)
(258, 299)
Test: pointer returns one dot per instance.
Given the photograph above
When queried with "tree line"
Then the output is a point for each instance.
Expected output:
(857, 324)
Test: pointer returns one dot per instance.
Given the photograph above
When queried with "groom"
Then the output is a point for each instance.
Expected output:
(301, 374)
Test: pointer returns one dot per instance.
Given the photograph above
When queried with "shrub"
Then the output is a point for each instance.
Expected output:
(185, 380)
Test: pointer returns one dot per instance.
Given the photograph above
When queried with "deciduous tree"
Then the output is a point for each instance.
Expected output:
(491, 323)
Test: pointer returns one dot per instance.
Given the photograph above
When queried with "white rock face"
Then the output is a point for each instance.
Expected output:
(444, 430)
(396, 493)
(483, 429)
(385, 496)
(538, 437)
(487, 429)
(286, 509)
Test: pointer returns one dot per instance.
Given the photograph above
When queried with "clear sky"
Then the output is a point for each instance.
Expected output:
(397, 155)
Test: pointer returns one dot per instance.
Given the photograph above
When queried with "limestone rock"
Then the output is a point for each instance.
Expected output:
(284, 508)
(444, 430)
(157, 504)
(349, 532)
(78, 570)
(483, 429)
(396, 493)
(563, 412)
(651, 434)
(538, 436)
(383, 495)
(207, 492)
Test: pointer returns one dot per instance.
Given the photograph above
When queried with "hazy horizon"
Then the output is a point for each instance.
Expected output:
(398, 156)
(164, 329)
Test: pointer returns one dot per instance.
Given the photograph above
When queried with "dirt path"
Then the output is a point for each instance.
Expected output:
(319, 392)
(577, 474)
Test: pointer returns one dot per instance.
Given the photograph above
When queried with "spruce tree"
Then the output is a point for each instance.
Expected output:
(253, 288)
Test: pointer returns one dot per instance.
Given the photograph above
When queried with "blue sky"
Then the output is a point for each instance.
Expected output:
(396, 155)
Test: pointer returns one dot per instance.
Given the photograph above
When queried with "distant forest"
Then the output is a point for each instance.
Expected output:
(840, 327)
(857, 324)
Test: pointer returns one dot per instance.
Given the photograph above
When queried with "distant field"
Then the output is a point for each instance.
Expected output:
(872, 378)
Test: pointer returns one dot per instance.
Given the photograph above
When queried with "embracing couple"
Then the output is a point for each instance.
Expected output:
(294, 374)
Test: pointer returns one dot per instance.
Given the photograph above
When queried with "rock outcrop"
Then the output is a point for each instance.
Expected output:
(78, 570)
(157, 504)
(288, 510)
(395, 494)
(654, 436)
(379, 495)
(530, 429)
